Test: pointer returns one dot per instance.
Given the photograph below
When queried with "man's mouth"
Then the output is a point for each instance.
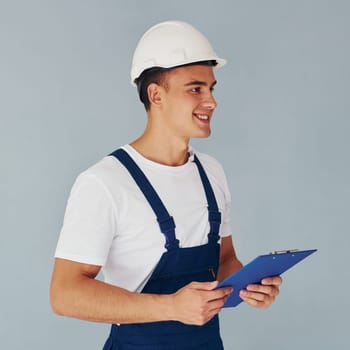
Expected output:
(201, 116)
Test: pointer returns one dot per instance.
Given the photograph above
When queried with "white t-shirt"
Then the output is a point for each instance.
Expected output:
(109, 223)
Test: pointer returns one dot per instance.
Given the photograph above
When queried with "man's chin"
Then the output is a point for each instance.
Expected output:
(202, 135)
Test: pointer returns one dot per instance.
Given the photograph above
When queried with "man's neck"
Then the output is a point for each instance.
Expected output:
(161, 148)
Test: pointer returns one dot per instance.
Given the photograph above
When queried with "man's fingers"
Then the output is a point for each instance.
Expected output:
(269, 289)
(255, 295)
(204, 285)
(217, 304)
(211, 292)
(256, 299)
(272, 281)
(254, 302)
(198, 302)
(220, 293)
(262, 295)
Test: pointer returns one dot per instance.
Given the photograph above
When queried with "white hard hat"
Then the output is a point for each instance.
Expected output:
(170, 44)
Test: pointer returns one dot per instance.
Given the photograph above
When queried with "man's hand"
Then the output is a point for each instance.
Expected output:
(198, 302)
(261, 295)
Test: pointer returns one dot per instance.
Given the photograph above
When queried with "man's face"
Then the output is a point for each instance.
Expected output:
(188, 102)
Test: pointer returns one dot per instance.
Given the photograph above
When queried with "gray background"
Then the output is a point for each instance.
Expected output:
(281, 132)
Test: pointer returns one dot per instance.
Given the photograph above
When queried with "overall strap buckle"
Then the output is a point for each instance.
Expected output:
(214, 217)
(167, 227)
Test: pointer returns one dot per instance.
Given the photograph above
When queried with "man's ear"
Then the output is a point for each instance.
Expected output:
(154, 92)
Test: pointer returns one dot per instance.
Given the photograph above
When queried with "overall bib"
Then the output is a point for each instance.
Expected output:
(176, 268)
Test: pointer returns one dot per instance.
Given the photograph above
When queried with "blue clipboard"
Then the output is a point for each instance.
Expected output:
(273, 264)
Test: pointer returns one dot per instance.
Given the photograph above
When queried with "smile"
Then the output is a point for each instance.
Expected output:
(201, 116)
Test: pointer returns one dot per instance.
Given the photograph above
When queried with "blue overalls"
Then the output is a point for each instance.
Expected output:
(176, 268)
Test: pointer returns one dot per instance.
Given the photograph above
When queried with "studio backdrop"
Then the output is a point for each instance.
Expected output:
(281, 131)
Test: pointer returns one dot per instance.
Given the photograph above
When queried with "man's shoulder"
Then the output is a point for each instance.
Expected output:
(103, 166)
(105, 171)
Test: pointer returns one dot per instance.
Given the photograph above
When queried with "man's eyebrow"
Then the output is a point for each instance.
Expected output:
(198, 82)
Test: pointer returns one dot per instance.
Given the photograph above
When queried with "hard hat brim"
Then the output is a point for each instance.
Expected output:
(220, 62)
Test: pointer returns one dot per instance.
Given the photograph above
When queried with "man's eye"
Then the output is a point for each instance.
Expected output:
(196, 89)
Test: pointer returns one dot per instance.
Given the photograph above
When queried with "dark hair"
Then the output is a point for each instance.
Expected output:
(158, 75)
(149, 76)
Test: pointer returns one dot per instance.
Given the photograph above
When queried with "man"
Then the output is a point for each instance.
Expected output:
(155, 214)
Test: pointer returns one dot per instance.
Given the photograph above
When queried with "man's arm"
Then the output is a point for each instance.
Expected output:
(257, 295)
(229, 262)
(76, 293)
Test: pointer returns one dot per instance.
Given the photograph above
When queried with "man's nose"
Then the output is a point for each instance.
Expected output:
(209, 102)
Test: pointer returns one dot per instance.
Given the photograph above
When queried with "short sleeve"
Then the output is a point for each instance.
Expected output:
(89, 224)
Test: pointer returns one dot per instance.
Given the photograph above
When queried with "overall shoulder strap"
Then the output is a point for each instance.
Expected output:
(214, 215)
(165, 221)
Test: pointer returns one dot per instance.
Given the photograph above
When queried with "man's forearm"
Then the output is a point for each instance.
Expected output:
(228, 267)
(76, 293)
(90, 299)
